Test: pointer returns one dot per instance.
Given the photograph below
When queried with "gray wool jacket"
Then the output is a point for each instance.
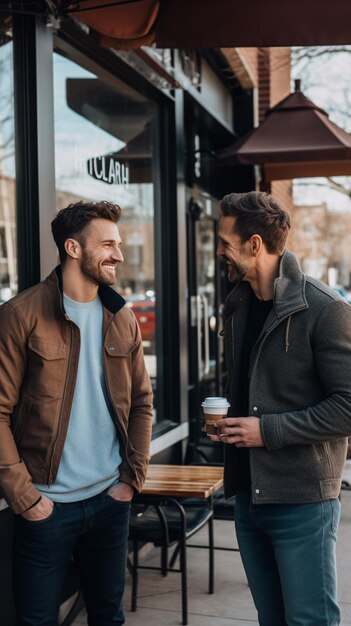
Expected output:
(299, 387)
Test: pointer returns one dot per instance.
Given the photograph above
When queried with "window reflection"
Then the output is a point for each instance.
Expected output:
(8, 248)
(103, 147)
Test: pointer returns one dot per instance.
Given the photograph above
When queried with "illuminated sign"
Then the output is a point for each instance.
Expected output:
(109, 170)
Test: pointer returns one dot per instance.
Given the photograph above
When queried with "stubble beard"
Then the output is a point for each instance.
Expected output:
(95, 273)
(236, 271)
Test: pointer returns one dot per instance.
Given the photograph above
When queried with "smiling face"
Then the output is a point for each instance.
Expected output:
(232, 250)
(100, 252)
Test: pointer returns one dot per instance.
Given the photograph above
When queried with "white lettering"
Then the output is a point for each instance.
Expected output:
(125, 174)
(104, 169)
(118, 173)
(107, 169)
(111, 173)
(97, 174)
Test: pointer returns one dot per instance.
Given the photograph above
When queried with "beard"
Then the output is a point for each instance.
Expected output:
(236, 271)
(95, 272)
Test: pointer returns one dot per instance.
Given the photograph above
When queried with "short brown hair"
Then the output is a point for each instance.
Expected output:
(257, 212)
(72, 220)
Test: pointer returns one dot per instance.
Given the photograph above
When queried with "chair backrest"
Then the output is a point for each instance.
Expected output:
(208, 454)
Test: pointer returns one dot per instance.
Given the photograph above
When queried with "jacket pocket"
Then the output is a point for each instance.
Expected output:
(46, 367)
(49, 351)
(120, 348)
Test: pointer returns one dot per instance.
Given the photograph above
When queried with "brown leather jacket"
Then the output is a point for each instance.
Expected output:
(39, 353)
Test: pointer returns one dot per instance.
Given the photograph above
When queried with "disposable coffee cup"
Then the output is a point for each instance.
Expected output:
(214, 409)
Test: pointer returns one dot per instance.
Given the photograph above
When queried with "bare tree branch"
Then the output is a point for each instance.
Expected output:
(328, 182)
(333, 184)
(319, 51)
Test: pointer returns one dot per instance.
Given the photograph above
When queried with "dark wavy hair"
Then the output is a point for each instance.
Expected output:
(71, 221)
(257, 212)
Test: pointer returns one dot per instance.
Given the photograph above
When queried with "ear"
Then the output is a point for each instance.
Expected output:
(256, 244)
(72, 248)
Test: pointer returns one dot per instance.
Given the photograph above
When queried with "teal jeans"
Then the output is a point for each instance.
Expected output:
(288, 552)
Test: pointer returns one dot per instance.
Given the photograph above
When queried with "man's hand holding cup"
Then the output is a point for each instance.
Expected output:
(214, 409)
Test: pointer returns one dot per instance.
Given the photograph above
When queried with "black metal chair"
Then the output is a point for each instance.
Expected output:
(167, 522)
(210, 453)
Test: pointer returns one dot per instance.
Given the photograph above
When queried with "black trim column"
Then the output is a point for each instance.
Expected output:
(182, 255)
(34, 137)
(168, 238)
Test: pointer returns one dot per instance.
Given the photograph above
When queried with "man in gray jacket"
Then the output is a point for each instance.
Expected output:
(288, 348)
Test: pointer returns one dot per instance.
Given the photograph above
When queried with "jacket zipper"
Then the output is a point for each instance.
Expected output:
(62, 406)
(120, 433)
(261, 341)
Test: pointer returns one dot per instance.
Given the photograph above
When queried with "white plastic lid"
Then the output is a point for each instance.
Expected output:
(215, 402)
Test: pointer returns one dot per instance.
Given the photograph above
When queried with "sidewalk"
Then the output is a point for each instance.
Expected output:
(159, 601)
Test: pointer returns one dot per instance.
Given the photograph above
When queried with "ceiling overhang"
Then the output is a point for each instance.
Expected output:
(201, 23)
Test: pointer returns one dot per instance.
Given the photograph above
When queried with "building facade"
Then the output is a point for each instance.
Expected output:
(140, 128)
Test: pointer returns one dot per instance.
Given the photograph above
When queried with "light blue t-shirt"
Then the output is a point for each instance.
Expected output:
(91, 454)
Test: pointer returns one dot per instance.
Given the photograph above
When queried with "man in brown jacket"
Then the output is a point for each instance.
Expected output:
(75, 422)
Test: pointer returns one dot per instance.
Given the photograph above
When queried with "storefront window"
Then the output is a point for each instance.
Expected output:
(8, 252)
(104, 142)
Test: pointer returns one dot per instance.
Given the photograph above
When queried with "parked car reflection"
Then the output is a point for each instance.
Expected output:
(144, 309)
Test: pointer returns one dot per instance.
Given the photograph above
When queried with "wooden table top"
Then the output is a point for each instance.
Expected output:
(183, 481)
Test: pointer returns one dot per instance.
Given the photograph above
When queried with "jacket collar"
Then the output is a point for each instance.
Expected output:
(289, 287)
(288, 290)
(109, 297)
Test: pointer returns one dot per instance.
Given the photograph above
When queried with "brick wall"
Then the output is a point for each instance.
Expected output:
(273, 86)
(274, 77)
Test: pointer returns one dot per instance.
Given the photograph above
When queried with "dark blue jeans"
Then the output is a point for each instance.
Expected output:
(95, 532)
(288, 552)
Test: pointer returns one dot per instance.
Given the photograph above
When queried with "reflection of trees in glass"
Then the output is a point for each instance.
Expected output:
(8, 270)
(140, 203)
(94, 118)
(7, 139)
(80, 134)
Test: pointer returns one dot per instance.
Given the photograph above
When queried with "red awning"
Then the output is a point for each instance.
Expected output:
(295, 140)
(120, 24)
(215, 23)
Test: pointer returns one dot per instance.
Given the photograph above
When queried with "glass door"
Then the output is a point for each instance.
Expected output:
(106, 147)
(205, 301)
(205, 345)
